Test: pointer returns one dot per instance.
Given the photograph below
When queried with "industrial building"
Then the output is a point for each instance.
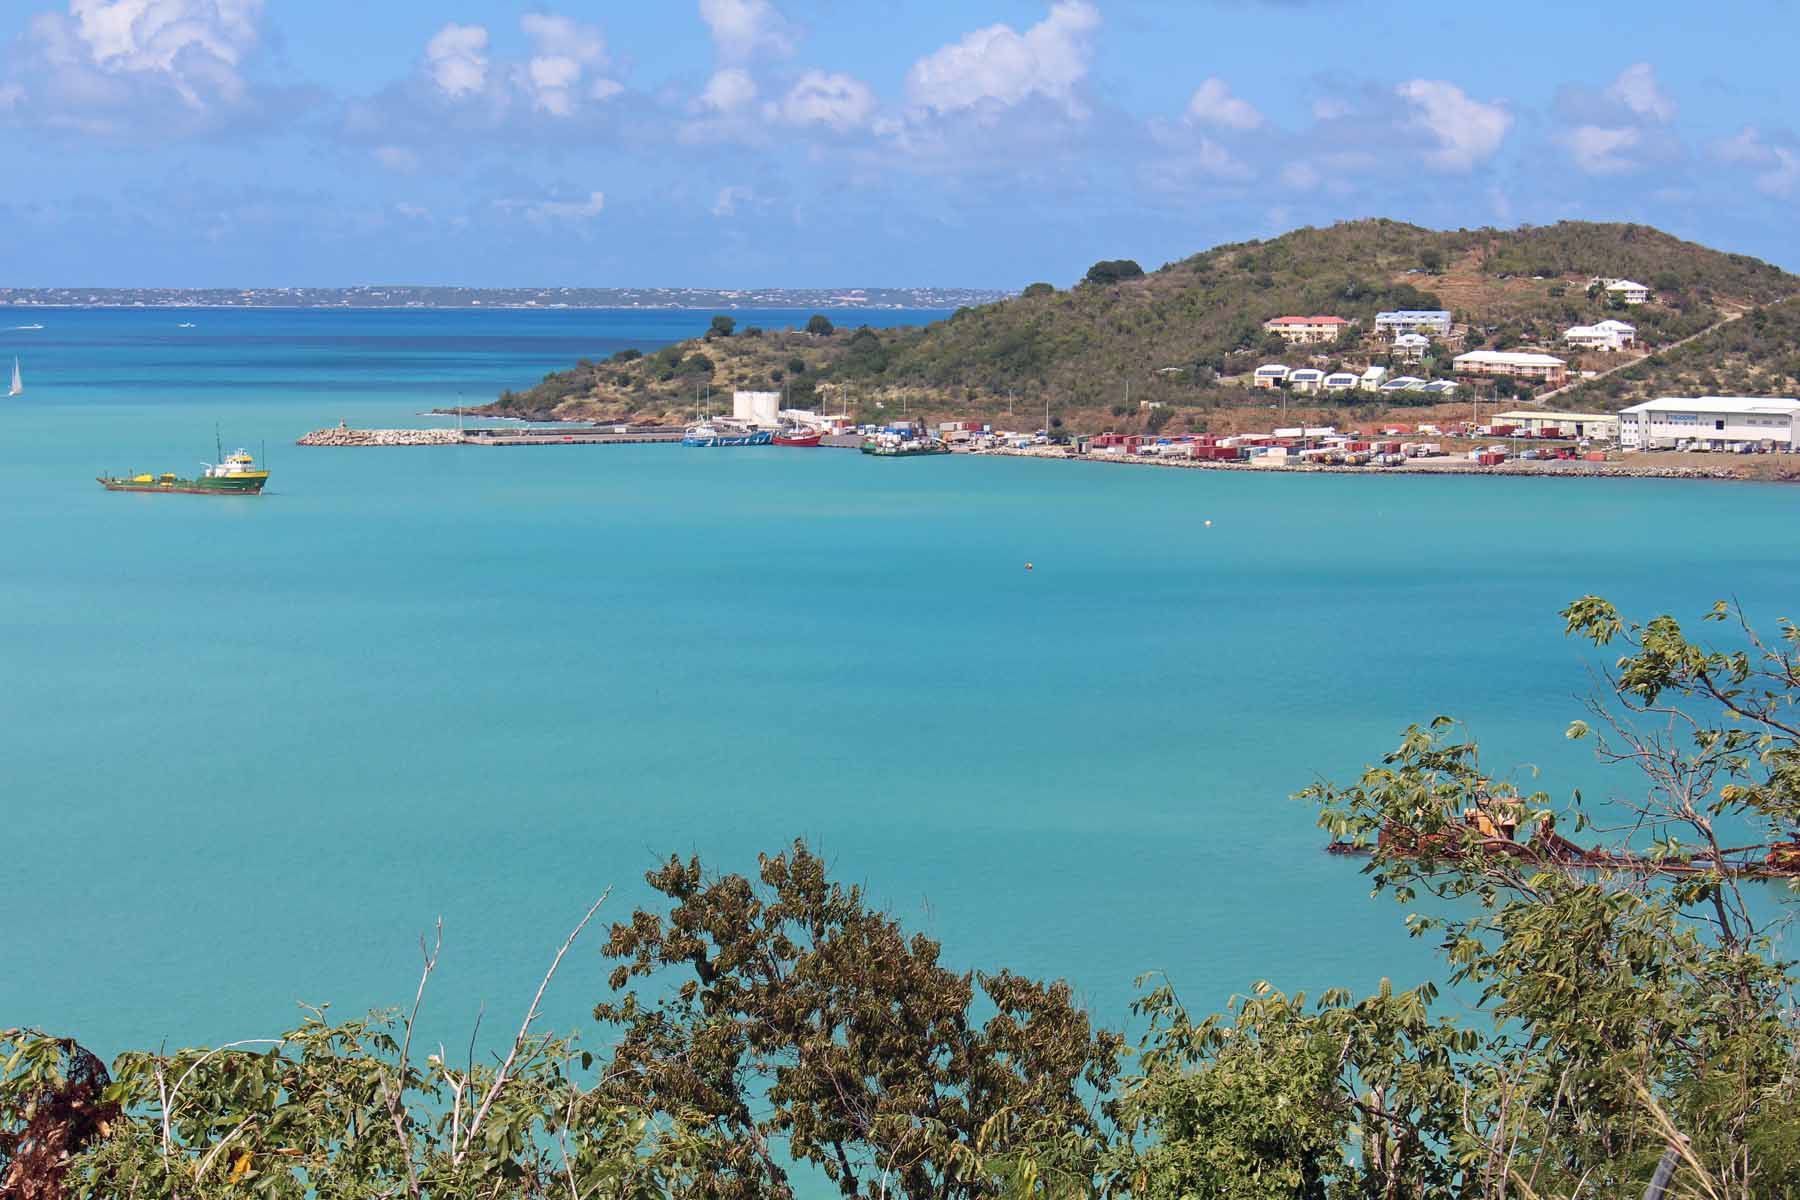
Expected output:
(1599, 426)
(1269, 375)
(1543, 368)
(1716, 422)
(756, 408)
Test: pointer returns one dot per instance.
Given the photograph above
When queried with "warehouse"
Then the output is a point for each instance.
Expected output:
(1535, 422)
(1715, 422)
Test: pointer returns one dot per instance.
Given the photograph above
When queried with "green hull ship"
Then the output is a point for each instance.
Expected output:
(238, 475)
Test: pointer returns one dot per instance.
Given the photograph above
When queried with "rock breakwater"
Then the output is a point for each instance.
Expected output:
(344, 436)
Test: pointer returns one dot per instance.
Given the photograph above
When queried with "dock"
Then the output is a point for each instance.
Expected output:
(533, 435)
(611, 435)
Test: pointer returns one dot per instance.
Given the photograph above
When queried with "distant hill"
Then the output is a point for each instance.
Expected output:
(1182, 336)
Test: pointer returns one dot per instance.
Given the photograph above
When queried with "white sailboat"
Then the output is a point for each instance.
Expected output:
(18, 383)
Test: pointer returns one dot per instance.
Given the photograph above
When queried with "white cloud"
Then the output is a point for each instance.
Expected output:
(109, 65)
(1637, 90)
(839, 101)
(575, 211)
(1301, 176)
(1597, 149)
(729, 90)
(740, 28)
(999, 64)
(729, 199)
(397, 158)
(1467, 131)
(1213, 104)
(1748, 146)
(456, 59)
(566, 49)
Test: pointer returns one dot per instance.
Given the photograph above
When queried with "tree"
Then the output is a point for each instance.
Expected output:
(1111, 271)
(721, 327)
(796, 365)
(1039, 289)
(819, 325)
(797, 1012)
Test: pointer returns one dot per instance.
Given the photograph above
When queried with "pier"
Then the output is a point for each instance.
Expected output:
(537, 435)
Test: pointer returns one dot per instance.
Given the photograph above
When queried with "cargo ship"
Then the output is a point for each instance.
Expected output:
(237, 475)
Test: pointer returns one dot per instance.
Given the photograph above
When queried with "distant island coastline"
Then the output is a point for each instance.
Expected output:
(426, 297)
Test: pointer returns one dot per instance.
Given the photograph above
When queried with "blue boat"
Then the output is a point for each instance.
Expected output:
(710, 434)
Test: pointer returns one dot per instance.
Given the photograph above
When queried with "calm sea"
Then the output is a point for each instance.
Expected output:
(255, 747)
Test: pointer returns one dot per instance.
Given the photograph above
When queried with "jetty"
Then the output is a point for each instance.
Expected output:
(529, 435)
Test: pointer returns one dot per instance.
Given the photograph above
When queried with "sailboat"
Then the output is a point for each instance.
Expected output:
(18, 383)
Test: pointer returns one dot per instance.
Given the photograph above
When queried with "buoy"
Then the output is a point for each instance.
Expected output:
(1209, 524)
(1028, 566)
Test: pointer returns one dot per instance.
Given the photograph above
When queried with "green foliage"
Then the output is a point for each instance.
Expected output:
(797, 1011)
(819, 325)
(1039, 289)
(630, 354)
(796, 366)
(1757, 354)
(721, 326)
(1111, 271)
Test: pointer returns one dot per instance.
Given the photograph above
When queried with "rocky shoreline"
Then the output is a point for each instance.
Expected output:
(1518, 468)
(344, 436)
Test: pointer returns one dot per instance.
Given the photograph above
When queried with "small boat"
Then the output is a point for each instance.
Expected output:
(237, 475)
(18, 381)
(719, 433)
(892, 445)
(798, 435)
(185, 325)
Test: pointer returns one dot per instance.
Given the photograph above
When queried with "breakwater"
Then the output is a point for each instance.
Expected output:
(583, 435)
(344, 436)
(1553, 468)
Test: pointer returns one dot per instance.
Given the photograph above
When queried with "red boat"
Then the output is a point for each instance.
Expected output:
(797, 437)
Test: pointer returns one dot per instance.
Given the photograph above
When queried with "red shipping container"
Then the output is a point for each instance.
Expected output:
(1595, 456)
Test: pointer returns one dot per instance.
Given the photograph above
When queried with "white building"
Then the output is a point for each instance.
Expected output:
(1410, 347)
(1404, 383)
(1428, 321)
(1339, 381)
(1607, 335)
(1517, 364)
(1716, 421)
(1305, 379)
(756, 408)
(1304, 331)
(1269, 375)
(1627, 291)
(1441, 388)
(1371, 378)
(1600, 426)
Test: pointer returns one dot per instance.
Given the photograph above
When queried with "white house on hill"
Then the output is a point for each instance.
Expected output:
(1607, 335)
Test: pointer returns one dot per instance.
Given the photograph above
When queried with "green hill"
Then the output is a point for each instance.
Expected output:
(1757, 355)
(1183, 336)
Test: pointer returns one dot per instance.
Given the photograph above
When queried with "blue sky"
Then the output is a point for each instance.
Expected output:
(836, 142)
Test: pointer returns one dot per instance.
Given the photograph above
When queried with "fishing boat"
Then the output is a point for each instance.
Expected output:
(719, 433)
(235, 475)
(18, 381)
(798, 435)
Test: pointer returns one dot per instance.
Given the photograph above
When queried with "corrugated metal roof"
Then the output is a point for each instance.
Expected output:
(1717, 404)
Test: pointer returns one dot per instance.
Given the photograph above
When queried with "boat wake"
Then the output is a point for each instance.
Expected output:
(26, 327)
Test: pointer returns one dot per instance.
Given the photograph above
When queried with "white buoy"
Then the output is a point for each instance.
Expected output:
(1209, 524)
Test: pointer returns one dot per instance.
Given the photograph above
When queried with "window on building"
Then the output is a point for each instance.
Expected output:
(1718, 424)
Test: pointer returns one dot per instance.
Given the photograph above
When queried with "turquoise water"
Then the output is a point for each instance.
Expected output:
(254, 747)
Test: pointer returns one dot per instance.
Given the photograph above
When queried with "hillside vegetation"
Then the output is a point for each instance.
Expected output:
(1181, 336)
(1758, 355)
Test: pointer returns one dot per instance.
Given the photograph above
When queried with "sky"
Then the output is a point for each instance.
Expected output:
(826, 143)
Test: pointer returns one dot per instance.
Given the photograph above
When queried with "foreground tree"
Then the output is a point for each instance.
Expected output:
(801, 1018)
